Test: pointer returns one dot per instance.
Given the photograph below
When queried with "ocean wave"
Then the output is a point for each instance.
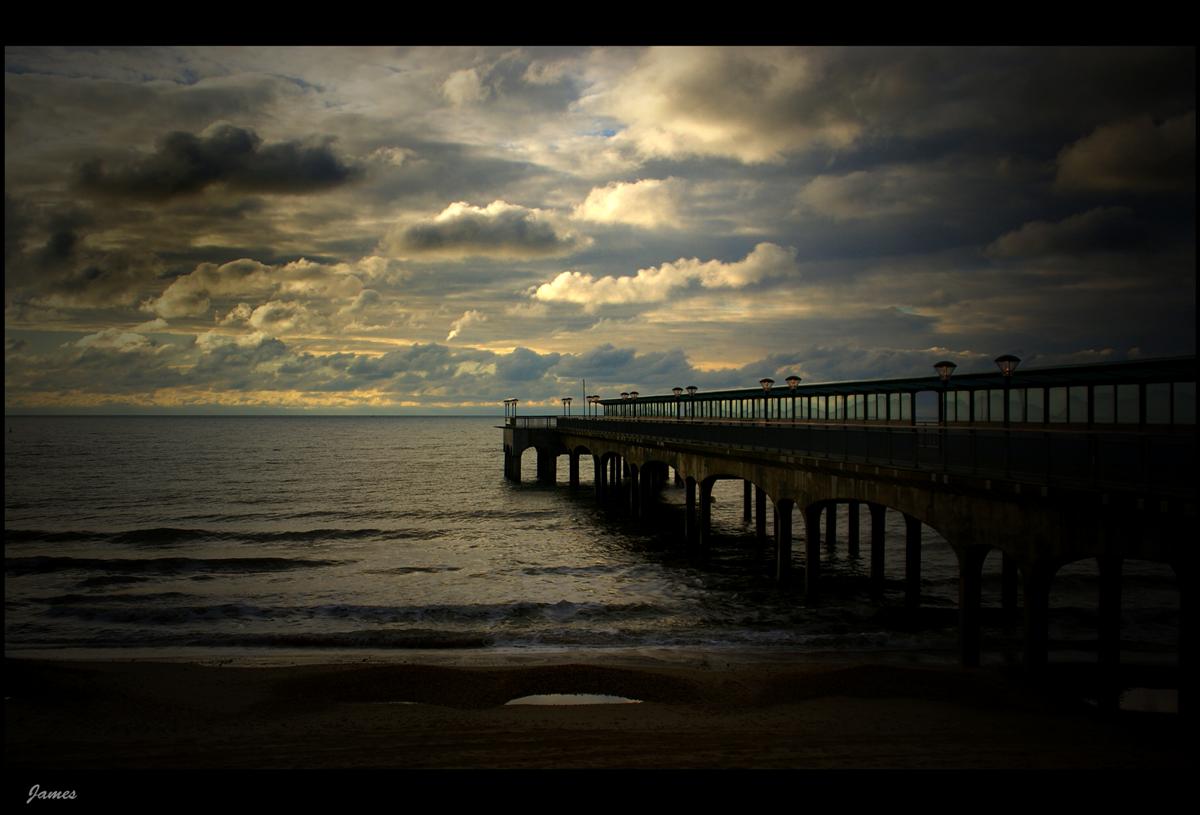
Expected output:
(595, 568)
(41, 564)
(108, 609)
(415, 570)
(169, 535)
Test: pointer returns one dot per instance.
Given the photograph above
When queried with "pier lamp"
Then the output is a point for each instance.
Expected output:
(625, 408)
(633, 395)
(944, 368)
(1007, 364)
(793, 382)
(678, 404)
(691, 392)
(767, 384)
(566, 405)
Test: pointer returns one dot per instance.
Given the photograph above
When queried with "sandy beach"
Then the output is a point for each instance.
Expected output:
(127, 715)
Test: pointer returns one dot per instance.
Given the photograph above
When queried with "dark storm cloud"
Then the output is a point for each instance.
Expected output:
(523, 365)
(184, 163)
(499, 229)
(1137, 155)
(1104, 229)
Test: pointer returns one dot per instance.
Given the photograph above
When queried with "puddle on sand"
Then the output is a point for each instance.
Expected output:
(1150, 700)
(572, 699)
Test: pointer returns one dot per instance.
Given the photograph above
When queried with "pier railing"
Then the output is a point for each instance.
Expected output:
(1162, 462)
(531, 422)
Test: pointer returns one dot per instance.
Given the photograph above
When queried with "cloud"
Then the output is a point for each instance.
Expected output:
(649, 203)
(468, 317)
(463, 87)
(191, 295)
(655, 284)
(116, 339)
(1136, 155)
(500, 229)
(752, 104)
(1104, 229)
(280, 316)
(185, 164)
(865, 194)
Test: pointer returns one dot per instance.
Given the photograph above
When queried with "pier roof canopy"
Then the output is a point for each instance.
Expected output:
(1168, 369)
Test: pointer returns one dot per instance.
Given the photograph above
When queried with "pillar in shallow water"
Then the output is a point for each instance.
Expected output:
(812, 550)
(970, 590)
(878, 538)
(852, 529)
(912, 561)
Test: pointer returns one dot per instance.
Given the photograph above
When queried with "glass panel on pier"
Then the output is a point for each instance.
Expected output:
(1104, 409)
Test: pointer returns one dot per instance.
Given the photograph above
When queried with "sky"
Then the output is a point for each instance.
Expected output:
(426, 229)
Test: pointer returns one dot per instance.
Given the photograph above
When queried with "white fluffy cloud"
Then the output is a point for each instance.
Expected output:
(464, 87)
(650, 203)
(766, 260)
(468, 317)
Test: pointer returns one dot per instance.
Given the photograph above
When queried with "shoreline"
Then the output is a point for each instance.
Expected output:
(442, 710)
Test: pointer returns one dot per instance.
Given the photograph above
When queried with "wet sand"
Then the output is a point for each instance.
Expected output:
(129, 715)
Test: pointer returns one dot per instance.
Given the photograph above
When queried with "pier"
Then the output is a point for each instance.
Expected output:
(1047, 466)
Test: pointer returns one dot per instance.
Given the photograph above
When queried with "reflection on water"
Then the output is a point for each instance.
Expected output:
(573, 699)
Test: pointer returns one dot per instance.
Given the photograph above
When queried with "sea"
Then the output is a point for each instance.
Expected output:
(352, 537)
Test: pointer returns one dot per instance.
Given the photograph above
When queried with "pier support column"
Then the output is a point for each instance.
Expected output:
(1008, 587)
(547, 466)
(970, 590)
(812, 551)
(691, 534)
(878, 536)
(573, 479)
(852, 529)
(635, 480)
(746, 488)
(1036, 582)
(760, 514)
(514, 466)
(1110, 631)
(912, 561)
(830, 525)
(783, 541)
(705, 525)
(600, 468)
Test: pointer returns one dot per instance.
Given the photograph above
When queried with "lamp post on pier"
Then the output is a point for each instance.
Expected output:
(767, 384)
(793, 382)
(678, 404)
(691, 392)
(1007, 364)
(944, 368)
